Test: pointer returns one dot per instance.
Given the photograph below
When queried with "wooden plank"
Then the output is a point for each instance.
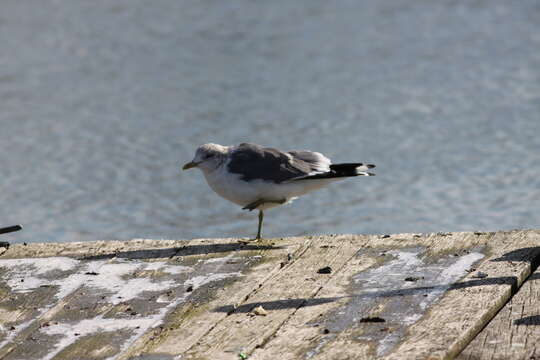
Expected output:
(189, 323)
(281, 296)
(435, 329)
(458, 317)
(305, 330)
(372, 284)
(416, 284)
(33, 287)
(125, 290)
(515, 332)
(40, 287)
(93, 249)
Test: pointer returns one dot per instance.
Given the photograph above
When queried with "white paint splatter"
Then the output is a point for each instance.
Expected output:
(117, 279)
(28, 274)
(409, 261)
(449, 275)
(111, 278)
(70, 333)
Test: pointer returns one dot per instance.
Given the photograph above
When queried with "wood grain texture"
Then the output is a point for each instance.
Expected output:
(281, 296)
(448, 325)
(455, 320)
(179, 334)
(404, 296)
(515, 332)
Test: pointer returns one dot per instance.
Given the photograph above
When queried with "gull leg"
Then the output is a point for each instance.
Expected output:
(261, 217)
(254, 205)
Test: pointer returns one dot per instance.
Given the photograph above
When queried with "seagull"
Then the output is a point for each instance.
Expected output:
(260, 178)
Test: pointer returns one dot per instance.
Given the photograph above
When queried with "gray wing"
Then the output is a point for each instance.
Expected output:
(254, 162)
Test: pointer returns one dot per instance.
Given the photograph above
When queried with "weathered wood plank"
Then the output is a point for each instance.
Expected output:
(281, 296)
(333, 330)
(168, 299)
(458, 317)
(94, 249)
(372, 283)
(515, 332)
(35, 287)
(189, 323)
(40, 287)
(122, 289)
(305, 329)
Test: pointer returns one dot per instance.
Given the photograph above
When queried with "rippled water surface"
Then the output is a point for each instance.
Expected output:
(102, 101)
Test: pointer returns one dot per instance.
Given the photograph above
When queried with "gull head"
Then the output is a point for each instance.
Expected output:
(208, 157)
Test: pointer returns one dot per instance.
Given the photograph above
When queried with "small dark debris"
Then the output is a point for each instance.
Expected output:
(325, 270)
(133, 313)
(289, 257)
(12, 328)
(46, 286)
(374, 319)
(478, 233)
(470, 270)
(189, 288)
(91, 273)
(76, 334)
(25, 244)
(385, 236)
(425, 295)
(45, 324)
(22, 280)
(326, 331)
(414, 278)
(282, 264)
(384, 329)
(4, 244)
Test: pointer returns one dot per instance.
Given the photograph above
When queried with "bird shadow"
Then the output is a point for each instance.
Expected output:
(530, 254)
(277, 304)
(304, 302)
(525, 254)
(528, 320)
(187, 250)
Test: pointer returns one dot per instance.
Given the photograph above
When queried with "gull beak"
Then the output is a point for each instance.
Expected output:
(190, 165)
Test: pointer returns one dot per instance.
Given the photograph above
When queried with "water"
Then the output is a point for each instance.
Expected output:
(102, 101)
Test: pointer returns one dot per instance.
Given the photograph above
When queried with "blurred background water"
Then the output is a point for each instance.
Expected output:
(103, 101)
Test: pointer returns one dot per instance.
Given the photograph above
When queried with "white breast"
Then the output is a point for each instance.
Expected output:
(232, 188)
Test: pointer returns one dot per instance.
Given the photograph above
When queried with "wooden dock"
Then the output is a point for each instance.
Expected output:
(403, 296)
